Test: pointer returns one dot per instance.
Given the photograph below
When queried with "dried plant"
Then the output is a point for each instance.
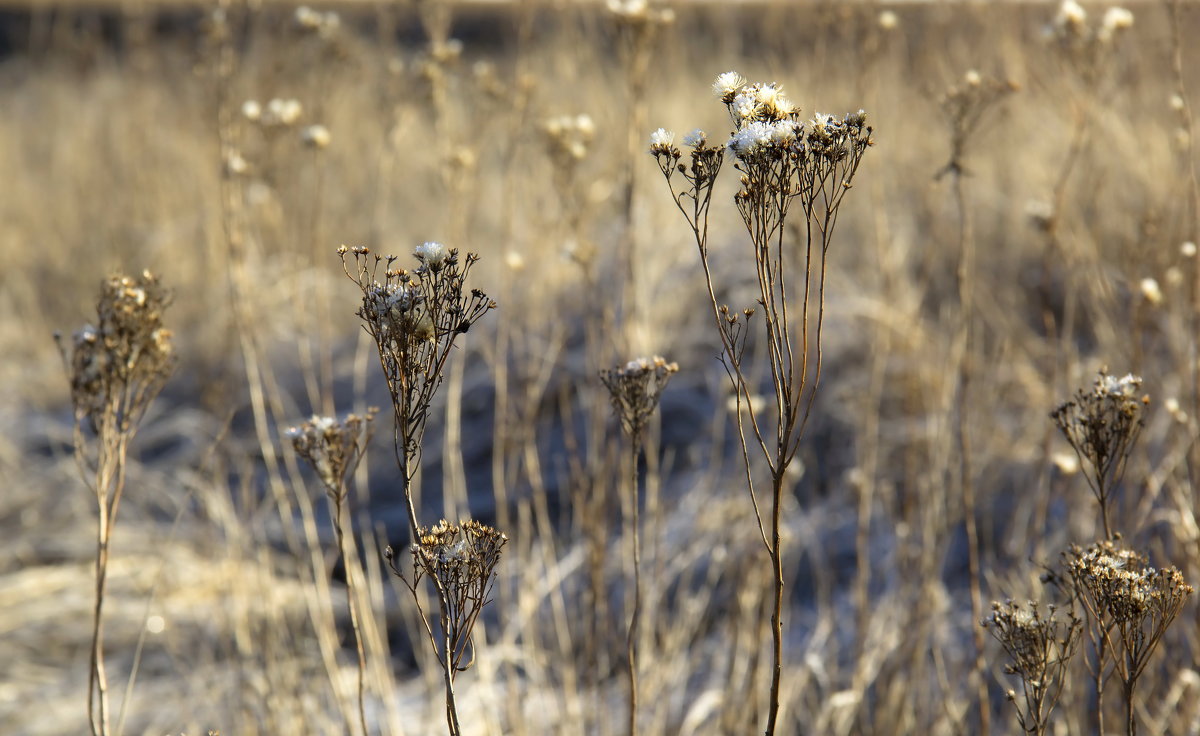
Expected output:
(460, 560)
(414, 316)
(334, 448)
(1102, 424)
(1040, 647)
(116, 369)
(634, 390)
(782, 160)
(1129, 607)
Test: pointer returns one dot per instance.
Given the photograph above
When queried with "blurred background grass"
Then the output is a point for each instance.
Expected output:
(110, 140)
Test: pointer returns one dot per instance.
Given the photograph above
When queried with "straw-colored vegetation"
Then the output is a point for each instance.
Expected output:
(935, 354)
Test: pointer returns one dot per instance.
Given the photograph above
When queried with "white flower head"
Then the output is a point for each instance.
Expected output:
(1151, 291)
(727, 85)
(973, 78)
(752, 139)
(662, 141)
(695, 139)
(1070, 13)
(888, 20)
(432, 253)
(745, 104)
(1188, 249)
(1126, 386)
(251, 110)
(1117, 19)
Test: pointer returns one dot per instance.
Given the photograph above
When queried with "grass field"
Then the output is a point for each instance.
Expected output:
(1025, 219)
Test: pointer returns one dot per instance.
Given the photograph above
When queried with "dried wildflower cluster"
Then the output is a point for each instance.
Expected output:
(461, 561)
(415, 316)
(333, 447)
(1040, 647)
(964, 106)
(780, 157)
(636, 388)
(1118, 586)
(118, 366)
(1101, 424)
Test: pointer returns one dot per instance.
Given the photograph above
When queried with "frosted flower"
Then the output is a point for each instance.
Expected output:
(695, 139)
(888, 20)
(745, 105)
(1151, 291)
(973, 79)
(1066, 462)
(752, 139)
(1176, 102)
(315, 136)
(727, 85)
(662, 141)
(1126, 385)
(432, 254)
(235, 165)
(783, 132)
(1188, 249)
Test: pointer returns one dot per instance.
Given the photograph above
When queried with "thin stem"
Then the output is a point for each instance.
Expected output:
(631, 638)
(339, 521)
(777, 611)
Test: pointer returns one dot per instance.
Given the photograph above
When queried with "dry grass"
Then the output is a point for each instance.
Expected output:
(223, 559)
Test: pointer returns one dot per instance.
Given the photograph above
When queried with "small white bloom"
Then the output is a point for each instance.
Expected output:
(1151, 291)
(888, 20)
(1188, 249)
(1177, 103)
(695, 139)
(745, 105)
(432, 253)
(251, 110)
(728, 84)
(973, 79)
(1117, 19)
(585, 125)
(1070, 13)
(661, 141)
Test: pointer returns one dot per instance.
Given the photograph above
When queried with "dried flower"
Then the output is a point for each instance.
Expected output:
(727, 86)
(333, 448)
(636, 388)
(1040, 647)
(1101, 424)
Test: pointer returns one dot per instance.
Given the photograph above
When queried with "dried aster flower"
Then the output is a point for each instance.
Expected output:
(415, 317)
(333, 448)
(1101, 424)
(1129, 607)
(116, 368)
(1039, 647)
(635, 389)
(460, 560)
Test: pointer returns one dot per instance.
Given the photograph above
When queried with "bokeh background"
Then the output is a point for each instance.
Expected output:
(518, 130)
